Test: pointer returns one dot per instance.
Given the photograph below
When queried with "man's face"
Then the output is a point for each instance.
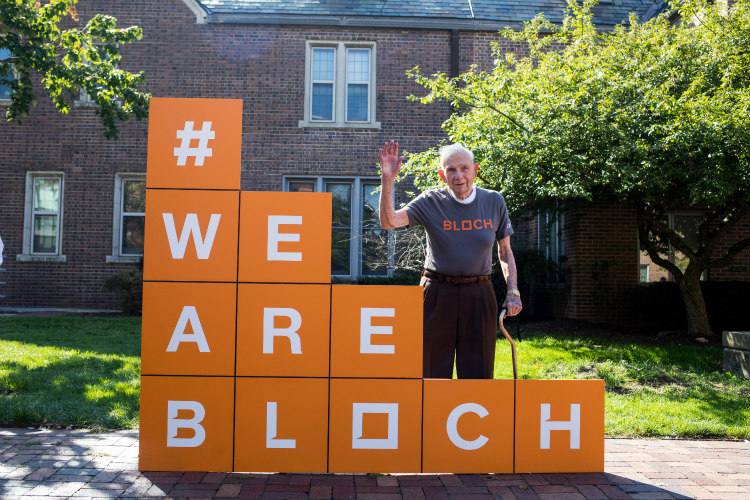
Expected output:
(459, 173)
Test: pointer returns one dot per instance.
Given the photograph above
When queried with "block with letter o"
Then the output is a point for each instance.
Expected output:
(188, 328)
(194, 143)
(285, 237)
(283, 330)
(468, 426)
(191, 235)
(375, 425)
(281, 424)
(560, 426)
(376, 331)
(186, 423)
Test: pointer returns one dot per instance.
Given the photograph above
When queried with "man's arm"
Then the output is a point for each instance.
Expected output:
(508, 264)
(390, 164)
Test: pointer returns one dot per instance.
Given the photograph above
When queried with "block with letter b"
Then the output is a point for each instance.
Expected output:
(281, 424)
(376, 331)
(194, 143)
(188, 328)
(283, 330)
(285, 237)
(191, 235)
(559, 426)
(186, 423)
(468, 426)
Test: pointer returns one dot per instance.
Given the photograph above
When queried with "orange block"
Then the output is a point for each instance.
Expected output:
(191, 235)
(376, 331)
(375, 425)
(281, 425)
(468, 426)
(560, 426)
(285, 237)
(188, 328)
(186, 423)
(283, 330)
(194, 143)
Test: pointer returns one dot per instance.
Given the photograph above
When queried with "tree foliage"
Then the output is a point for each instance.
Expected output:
(68, 61)
(652, 114)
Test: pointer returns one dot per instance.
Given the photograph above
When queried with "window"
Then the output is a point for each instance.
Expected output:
(6, 76)
(339, 85)
(129, 218)
(43, 218)
(359, 246)
(687, 226)
(551, 241)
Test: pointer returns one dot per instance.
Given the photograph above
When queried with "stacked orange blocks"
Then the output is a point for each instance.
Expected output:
(253, 361)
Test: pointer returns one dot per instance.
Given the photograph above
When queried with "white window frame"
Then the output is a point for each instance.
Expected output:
(28, 226)
(340, 86)
(4, 101)
(117, 214)
(355, 248)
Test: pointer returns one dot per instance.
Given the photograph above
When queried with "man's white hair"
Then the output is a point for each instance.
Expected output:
(447, 151)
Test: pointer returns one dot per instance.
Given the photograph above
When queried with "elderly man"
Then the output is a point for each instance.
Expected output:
(462, 222)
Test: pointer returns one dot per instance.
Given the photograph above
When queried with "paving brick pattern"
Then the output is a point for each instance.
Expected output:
(74, 464)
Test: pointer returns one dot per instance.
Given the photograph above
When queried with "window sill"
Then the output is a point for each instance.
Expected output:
(369, 126)
(123, 259)
(40, 258)
(5, 102)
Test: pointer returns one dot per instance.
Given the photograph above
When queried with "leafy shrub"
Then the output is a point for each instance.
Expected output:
(128, 285)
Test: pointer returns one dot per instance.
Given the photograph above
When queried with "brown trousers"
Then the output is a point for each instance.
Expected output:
(459, 320)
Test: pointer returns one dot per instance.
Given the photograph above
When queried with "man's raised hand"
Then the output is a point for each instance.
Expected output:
(390, 161)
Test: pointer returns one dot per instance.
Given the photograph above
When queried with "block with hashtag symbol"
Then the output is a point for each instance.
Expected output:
(194, 143)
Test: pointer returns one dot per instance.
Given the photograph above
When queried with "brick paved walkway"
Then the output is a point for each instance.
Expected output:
(44, 464)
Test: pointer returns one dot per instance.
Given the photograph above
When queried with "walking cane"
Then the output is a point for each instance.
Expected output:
(512, 344)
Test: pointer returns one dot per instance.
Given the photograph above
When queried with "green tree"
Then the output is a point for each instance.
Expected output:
(653, 115)
(32, 45)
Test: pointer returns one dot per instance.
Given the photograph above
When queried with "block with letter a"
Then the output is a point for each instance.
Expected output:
(194, 143)
(375, 425)
(192, 235)
(468, 426)
(376, 331)
(559, 426)
(285, 237)
(188, 328)
(283, 330)
(281, 424)
(186, 423)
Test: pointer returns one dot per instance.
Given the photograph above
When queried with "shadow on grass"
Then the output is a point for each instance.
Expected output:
(80, 390)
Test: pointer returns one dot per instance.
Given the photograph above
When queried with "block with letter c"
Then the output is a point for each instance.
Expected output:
(560, 426)
(186, 423)
(191, 235)
(285, 237)
(468, 426)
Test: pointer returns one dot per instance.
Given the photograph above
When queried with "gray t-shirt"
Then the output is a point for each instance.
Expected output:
(460, 236)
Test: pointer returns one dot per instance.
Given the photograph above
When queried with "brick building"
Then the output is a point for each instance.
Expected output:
(323, 85)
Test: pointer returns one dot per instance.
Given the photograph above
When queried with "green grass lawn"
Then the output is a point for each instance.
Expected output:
(72, 370)
(651, 390)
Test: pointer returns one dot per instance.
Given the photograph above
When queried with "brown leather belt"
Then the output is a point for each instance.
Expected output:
(455, 280)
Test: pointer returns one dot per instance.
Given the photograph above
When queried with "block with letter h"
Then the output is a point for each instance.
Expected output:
(253, 361)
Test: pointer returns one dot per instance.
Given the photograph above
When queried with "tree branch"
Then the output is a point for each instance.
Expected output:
(731, 254)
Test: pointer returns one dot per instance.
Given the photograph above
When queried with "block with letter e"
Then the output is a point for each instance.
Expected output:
(194, 143)
(285, 237)
(281, 425)
(468, 426)
(559, 426)
(191, 235)
(376, 331)
(186, 423)
(375, 425)
(188, 328)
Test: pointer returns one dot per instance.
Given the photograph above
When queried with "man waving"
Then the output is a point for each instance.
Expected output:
(462, 223)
